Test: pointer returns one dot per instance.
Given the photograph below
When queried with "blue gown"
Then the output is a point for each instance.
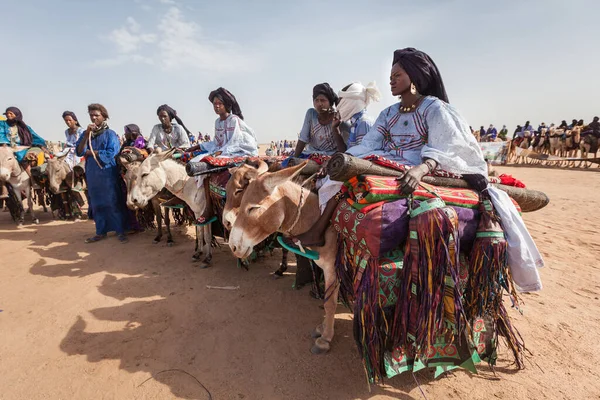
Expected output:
(106, 199)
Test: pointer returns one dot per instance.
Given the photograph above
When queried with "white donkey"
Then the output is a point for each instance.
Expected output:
(160, 171)
(11, 172)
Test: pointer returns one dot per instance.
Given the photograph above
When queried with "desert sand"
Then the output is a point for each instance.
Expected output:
(95, 321)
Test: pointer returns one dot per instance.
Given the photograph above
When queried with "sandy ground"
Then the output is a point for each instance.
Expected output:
(95, 321)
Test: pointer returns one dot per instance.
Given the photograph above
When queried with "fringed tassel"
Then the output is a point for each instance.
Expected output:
(371, 324)
(489, 276)
(430, 302)
(513, 338)
(345, 273)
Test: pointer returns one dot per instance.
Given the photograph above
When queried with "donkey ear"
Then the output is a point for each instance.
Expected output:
(166, 154)
(262, 167)
(272, 180)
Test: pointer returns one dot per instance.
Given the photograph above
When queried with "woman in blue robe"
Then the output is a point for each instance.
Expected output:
(106, 200)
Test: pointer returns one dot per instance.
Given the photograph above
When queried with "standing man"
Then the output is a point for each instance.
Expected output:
(100, 145)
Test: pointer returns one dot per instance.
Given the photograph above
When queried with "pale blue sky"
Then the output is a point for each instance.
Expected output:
(502, 62)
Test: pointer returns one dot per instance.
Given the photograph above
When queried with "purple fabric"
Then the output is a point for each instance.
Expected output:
(395, 218)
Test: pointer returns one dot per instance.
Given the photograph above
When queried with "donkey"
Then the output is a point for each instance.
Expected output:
(59, 173)
(236, 185)
(160, 171)
(272, 203)
(12, 173)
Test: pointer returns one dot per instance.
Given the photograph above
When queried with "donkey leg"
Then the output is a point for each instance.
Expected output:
(283, 266)
(158, 216)
(206, 246)
(168, 227)
(326, 330)
(30, 205)
(21, 210)
(199, 243)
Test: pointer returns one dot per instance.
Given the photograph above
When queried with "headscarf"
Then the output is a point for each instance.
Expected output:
(355, 98)
(133, 128)
(172, 116)
(22, 128)
(228, 100)
(72, 115)
(423, 72)
(327, 91)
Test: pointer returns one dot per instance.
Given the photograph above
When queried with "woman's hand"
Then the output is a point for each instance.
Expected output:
(335, 123)
(476, 181)
(410, 181)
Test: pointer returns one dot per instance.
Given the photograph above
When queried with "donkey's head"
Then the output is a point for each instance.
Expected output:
(266, 207)
(57, 170)
(146, 181)
(237, 184)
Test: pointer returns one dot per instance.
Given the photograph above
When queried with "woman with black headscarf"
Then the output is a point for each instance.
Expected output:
(17, 134)
(168, 135)
(14, 132)
(421, 131)
(322, 127)
(233, 137)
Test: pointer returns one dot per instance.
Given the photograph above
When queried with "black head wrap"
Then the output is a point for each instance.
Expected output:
(172, 116)
(422, 71)
(22, 128)
(72, 115)
(228, 99)
(327, 91)
(133, 128)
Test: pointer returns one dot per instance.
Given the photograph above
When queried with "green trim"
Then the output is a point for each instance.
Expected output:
(179, 206)
(427, 205)
(489, 234)
(209, 221)
(310, 254)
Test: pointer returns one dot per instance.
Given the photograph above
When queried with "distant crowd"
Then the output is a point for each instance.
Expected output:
(491, 134)
(281, 148)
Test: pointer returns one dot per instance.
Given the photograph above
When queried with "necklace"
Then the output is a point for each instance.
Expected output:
(408, 109)
(411, 107)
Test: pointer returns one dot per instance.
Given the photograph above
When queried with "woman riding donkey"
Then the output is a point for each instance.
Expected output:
(233, 138)
(425, 133)
(25, 143)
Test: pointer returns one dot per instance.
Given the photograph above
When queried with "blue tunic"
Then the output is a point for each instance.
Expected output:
(106, 199)
(37, 140)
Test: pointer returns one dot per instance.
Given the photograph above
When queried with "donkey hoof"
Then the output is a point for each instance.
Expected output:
(169, 243)
(196, 257)
(36, 221)
(321, 346)
(317, 332)
(203, 265)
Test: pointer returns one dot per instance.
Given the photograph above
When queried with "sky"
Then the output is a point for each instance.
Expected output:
(503, 62)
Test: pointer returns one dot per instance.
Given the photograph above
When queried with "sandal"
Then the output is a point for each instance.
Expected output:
(123, 238)
(296, 248)
(94, 239)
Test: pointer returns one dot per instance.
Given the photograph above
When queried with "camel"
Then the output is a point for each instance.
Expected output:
(589, 144)
(12, 173)
(59, 172)
(273, 202)
(160, 171)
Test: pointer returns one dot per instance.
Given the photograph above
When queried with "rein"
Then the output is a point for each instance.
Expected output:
(298, 212)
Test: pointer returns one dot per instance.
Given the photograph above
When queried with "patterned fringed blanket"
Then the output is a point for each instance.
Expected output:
(373, 227)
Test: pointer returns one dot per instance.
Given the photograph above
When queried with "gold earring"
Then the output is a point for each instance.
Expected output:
(413, 88)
